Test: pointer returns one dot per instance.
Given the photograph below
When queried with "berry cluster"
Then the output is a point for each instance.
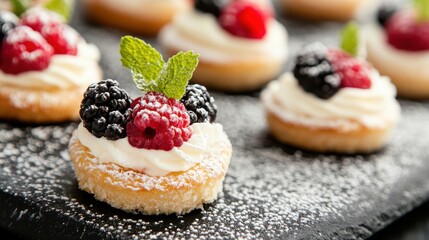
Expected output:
(105, 110)
(239, 18)
(323, 72)
(29, 43)
(151, 122)
(404, 29)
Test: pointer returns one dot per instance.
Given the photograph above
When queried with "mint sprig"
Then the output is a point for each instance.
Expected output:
(350, 39)
(20, 6)
(151, 73)
(422, 7)
(62, 7)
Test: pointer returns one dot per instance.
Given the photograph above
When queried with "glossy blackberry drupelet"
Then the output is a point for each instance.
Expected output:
(105, 110)
(315, 73)
(200, 105)
(210, 6)
(8, 21)
(385, 12)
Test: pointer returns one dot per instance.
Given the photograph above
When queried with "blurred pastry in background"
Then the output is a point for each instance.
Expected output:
(398, 46)
(140, 16)
(45, 66)
(333, 101)
(328, 10)
(241, 45)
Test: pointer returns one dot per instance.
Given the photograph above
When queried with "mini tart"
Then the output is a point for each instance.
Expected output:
(40, 106)
(145, 17)
(332, 10)
(132, 191)
(407, 70)
(341, 135)
(227, 62)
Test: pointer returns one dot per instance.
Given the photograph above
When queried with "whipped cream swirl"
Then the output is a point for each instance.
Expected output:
(63, 72)
(147, 8)
(375, 107)
(153, 162)
(202, 33)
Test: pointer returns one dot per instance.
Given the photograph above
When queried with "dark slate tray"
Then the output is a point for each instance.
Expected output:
(271, 190)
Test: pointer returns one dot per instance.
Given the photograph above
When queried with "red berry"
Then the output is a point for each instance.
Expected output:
(37, 18)
(406, 32)
(24, 50)
(62, 38)
(158, 122)
(354, 73)
(244, 19)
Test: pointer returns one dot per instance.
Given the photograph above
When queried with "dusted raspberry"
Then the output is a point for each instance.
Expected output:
(406, 32)
(200, 105)
(8, 21)
(37, 18)
(24, 50)
(354, 73)
(244, 19)
(105, 110)
(158, 122)
(62, 38)
(314, 72)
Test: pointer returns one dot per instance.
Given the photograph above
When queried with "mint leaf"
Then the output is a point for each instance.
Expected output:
(350, 39)
(176, 74)
(144, 62)
(422, 7)
(20, 6)
(62, 7)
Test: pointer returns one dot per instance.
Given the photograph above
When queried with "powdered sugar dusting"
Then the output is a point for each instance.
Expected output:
(271, 190)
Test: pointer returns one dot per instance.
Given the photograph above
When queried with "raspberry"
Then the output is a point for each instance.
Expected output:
(244, 19)
(200, 105)
(210, 6)
(354, 73)
(37, 18)
(407, 33)
(385, 12)
(8, 21)
(315, 73)
(105, 110)
(62, 38)
(158, 123)
(24, 50)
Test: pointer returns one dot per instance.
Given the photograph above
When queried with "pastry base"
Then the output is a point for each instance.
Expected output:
(409, 84)
(360, 140)
(133, 191)
(239, 76)
(40, 106)
(341, 10)
(99, 12)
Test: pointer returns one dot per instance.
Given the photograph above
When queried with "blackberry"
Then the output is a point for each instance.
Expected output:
(8, 21)
(106, 109)
(385, 12)
(210, 6)
(315, 73)
(200, 105)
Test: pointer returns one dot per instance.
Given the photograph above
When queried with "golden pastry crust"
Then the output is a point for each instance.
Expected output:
(98, 11)
(320, 10)
(320, 139)
(237, 76)
(133, 191)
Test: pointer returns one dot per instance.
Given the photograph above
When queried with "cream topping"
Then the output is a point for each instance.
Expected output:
(202, 33)
(375, 107)
(410, 63)
(153, 162)
(64, 71)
